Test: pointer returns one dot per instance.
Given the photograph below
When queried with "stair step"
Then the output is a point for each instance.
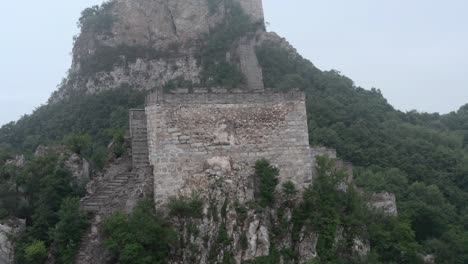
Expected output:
(140, 154)
(140, 157)
(99, 200)
(118, 180)
(115, 185)
(140, 146)
(141, 161)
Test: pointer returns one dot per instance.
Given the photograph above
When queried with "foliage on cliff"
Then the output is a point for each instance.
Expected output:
(217, 70)
(139, 238)
(267, 176)
(42, 193)
(95, 115)
(422, 157)
(97, 18)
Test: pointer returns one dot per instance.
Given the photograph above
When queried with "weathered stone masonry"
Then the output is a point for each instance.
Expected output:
(188, 131)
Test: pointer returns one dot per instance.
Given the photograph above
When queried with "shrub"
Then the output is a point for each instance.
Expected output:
(244, 242)
(99, 157)
(97, 19)
(186, 207)
(267, 177)
(118, 139)
(139, 238)
(78, 142)
(89, 114)
(66, 235)
(216, 70)
(289, 189)
(36, 252)
(105, 58)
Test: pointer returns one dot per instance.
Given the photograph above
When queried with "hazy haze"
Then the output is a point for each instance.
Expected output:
(414, 51)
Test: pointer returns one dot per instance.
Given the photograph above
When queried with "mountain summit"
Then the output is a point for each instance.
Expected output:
(146, 44)
(230, 155)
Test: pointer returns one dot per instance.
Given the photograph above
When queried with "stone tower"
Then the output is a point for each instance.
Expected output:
(192, 135)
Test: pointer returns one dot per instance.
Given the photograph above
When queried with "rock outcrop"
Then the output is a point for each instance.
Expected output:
(146, 44)
(18, 161)
(195, 139)
(385, 202)
(79, 167)
(9, 228)
(232, 229)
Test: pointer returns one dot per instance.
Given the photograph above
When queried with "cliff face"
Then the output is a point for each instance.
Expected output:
(201, 145)
(8, 229)
(146, 44)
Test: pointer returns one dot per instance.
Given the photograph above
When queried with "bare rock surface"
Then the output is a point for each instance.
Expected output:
(9, 228)
(171, 30)
(385, 202)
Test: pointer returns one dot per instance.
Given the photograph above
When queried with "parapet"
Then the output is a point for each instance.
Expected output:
(221, 96)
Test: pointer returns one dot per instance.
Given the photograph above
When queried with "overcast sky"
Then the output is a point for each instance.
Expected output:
(415, 51)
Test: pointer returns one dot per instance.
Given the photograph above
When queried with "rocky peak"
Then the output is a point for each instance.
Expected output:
(147, 44)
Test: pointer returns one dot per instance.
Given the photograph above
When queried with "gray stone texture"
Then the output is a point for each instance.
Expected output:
(118, 188)
(161, 25)
(9, 229)
(385, 202)
(138, 135)
(186, 131)
(249, 64)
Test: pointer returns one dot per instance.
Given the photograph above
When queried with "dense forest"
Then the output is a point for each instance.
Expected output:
(421, 157)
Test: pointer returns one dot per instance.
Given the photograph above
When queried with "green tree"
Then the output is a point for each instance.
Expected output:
(66, 235)
(99, 157)
(267, 177)
(290, 191)
(183, 207)
(78, 142)
(36, 252)
(141, 237)
(393, 240)
(428, 210)
(118, 140)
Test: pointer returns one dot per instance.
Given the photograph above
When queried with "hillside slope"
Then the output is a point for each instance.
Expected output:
(422, 158)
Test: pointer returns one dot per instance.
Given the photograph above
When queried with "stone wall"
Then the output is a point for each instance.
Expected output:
(188, 133)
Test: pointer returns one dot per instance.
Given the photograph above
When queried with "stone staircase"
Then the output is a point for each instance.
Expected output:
(139, 136)
(105, 195)
(82, 256)
(120, 188)
(249, 64)
(140, 148)
(108, 197)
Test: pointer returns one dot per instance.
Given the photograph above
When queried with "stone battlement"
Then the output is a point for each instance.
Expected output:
(222, 96)
(188, 133)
